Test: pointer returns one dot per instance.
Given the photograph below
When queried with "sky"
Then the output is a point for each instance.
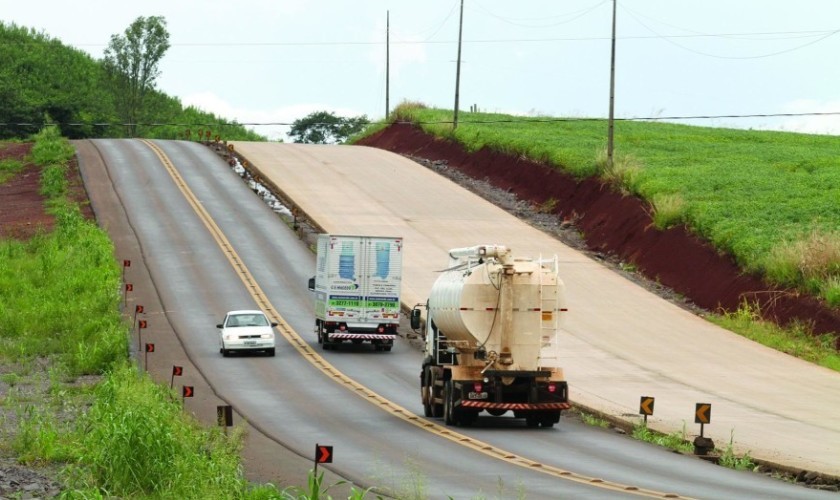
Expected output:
(263, 62)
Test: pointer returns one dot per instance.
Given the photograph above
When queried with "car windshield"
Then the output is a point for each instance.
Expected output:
(247, 320)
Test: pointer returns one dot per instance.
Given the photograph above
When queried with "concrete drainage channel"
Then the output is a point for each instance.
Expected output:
(272, 201)
(308, 232)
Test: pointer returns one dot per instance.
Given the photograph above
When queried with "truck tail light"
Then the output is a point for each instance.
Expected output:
(477, 386)
(381, 329)
(342, 327)
(552, 387)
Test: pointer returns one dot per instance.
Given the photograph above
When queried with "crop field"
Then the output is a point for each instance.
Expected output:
(770, 199)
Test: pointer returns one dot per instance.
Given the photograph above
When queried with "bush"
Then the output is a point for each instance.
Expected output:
(137, 441)
(51, 148)
(668, 210)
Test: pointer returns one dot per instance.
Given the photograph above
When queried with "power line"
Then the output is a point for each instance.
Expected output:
(441, 122)
(668, 39)
(655, 36)
(573, 16)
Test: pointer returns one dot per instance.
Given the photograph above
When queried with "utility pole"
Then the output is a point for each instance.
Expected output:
(387, 61)
(611, 122)
(458, 70)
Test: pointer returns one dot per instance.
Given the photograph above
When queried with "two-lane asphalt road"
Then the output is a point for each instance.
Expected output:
(621, 342)
(297, 404)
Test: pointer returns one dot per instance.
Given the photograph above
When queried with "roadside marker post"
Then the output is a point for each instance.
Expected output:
(224, 416)
(141, 325)
(138, 309)
(176, 371)
(323, 455)
(703, 416)
(128, 288)
(186, 392)
(149, 348)
(646, 406)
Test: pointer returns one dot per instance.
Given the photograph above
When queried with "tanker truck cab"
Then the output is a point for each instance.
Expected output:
(491, 339)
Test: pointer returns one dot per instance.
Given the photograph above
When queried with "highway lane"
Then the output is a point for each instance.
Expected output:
(371, 197)
(283, 396)
(593, 453)
(197, 287)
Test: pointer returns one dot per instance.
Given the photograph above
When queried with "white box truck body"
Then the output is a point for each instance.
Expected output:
(357, 290)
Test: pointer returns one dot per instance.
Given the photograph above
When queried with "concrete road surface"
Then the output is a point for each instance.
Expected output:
(620, 342)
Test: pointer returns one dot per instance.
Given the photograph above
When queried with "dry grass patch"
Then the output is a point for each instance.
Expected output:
(812, 262)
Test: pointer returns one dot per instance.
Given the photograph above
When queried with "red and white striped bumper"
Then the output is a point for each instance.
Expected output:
(362, 336)
(486, 405)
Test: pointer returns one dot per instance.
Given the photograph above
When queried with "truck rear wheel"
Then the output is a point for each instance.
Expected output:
(426, 392)
(550, 418)
(452, 415)
(435, 393)
(447, 404)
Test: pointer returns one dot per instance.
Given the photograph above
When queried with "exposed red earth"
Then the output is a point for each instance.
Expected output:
(22, 209)
(621, 225)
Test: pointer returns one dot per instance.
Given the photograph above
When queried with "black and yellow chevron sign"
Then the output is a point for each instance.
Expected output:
(703, 413)
(646, 405)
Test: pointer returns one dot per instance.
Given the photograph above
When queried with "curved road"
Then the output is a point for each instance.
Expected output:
(295, 404)
(621, 342)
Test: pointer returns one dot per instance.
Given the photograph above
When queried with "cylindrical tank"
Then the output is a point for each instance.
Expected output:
(467, 304)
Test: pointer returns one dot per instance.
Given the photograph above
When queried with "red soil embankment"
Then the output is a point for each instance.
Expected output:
(621, 225)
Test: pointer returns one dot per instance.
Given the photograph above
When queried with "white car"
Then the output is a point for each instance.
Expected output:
(246, 331)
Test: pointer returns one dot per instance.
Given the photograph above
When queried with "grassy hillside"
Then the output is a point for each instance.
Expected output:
(44, 81)
(770, 199)
(116, 434)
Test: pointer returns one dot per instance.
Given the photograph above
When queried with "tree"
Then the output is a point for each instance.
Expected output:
(132, 63)
(323, 127)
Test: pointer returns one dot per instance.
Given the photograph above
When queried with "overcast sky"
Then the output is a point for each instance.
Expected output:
(260, 61)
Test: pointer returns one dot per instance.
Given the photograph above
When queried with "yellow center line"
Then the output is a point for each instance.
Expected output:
(322, 364)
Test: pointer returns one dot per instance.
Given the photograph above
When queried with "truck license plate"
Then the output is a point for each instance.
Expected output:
(477, 395)
(250, 342)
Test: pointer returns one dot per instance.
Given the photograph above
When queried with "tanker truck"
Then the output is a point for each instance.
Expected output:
(491, 339)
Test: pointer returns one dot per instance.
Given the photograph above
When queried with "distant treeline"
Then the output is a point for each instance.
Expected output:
(44, 81)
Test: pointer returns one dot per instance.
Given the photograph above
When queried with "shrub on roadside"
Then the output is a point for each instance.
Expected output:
(136, 440)
(668, 210)
(812, 262)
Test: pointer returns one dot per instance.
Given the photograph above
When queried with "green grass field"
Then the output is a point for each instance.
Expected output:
(770, 199)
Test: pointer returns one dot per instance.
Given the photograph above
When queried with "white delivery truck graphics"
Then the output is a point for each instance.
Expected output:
(357, 290)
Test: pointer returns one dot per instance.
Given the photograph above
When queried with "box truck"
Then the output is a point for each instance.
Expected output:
(357, 290)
